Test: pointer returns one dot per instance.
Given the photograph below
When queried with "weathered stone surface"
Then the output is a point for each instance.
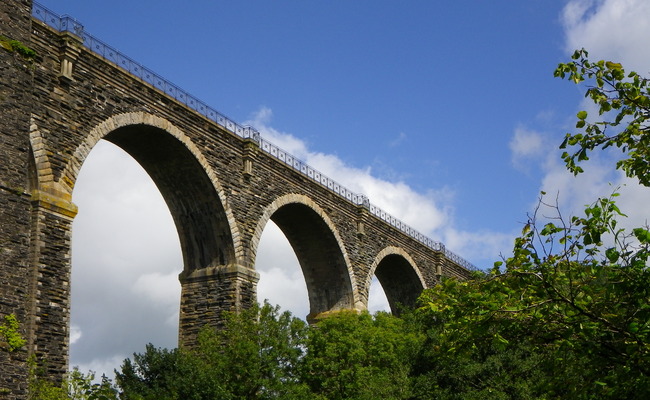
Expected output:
(221, 191)
(15, 108)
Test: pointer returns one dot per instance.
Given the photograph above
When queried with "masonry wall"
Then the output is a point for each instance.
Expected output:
(15, 103)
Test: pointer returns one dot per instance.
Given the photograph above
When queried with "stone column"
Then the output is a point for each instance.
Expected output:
(49, 310)
(206, 293)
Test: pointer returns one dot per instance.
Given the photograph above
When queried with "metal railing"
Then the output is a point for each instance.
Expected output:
(311, 173)
(66, 23)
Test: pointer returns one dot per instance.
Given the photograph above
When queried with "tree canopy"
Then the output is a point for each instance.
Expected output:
(571, 305)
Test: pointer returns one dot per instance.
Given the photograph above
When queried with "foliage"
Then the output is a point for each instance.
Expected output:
(264, 354)
(465, 355)
(258, 354)
(358, 356)
(10, 334)
(255, 356)
(167, 374)
(581, 308)
(77, 386)
(623, 97)
(571, 305)
(18, 47)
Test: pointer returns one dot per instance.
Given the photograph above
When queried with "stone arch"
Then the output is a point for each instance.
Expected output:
(398, 275)
(320, 251)
(205, 224)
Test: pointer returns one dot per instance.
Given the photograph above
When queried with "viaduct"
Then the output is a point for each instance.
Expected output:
(221, 181)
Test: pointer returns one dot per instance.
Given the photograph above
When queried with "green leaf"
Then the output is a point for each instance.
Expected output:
(613, 65)
(612, 254)
(643, 235)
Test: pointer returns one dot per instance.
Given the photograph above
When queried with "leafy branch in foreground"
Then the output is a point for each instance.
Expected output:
(622, 97)
(575, 292)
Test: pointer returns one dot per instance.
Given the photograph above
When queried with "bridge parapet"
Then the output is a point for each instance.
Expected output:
(68, 24)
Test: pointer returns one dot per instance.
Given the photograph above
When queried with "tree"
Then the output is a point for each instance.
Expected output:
(168, 374)
(575, 295)
(77, 386)
(581, 310)
(258, 353)
(359, 356)
(468, 354)
(254, 356)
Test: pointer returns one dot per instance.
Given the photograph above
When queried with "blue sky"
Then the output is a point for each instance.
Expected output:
(446, 114)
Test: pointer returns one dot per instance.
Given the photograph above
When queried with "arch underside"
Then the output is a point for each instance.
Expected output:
(400, 282)
(194, 204)
(320, 257)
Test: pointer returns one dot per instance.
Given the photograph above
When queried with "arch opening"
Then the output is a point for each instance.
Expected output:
(281, 279)
(195, 206)
(126, 258)
(400, 281)
(319, 252)
(192, 199)
(377, 300)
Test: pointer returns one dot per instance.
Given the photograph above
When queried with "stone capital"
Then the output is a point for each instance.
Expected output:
(220, 272)
(55, 202)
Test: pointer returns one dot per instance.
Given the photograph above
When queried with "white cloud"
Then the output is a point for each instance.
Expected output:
(75, 334)
(616, 30)
(281, 279)
(431, 212)
(123, 238)
(377, 300)
(526, 146)
(480, 245)
(573, 193)
(427, 212)
(157, 287)
(105, 366)
(163, 290)
(609, 29)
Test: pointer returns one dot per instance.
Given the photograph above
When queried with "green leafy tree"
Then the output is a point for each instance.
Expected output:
(470, 354)
(254, 356)
(168, 374)
(359, 356)
(580, 311)
(574, 297)
(77, 386)
(258, 353)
